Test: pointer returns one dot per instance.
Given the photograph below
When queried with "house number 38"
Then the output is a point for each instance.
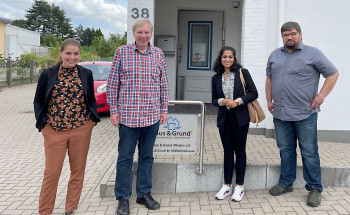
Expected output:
(136, 13)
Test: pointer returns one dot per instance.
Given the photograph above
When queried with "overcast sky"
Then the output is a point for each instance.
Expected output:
(109, 15)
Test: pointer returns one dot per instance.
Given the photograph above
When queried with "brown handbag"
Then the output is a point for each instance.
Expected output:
(256, 113)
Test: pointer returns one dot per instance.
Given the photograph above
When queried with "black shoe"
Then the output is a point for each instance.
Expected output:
(68, 213)
(279, 190)
(148, 201)
(314, 197)
(123, 207)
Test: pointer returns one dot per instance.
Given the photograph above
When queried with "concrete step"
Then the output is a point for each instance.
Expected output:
(179, 177)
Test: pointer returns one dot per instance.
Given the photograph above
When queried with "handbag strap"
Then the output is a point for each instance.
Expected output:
(242, 79)
(245, 92)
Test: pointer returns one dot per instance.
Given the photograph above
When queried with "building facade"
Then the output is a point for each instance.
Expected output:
(3, 23)
(15, 41)
(191, 32)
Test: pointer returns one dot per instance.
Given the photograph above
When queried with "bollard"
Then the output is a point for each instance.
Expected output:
(9, 73)
(31, 72)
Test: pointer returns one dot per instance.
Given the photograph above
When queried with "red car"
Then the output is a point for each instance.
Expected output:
(100, 70)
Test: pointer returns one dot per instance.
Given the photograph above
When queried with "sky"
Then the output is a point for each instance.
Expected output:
(108, 15)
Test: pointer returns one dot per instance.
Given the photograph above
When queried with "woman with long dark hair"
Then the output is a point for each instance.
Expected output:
(233, 118)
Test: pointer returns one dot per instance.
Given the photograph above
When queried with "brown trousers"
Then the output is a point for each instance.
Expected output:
(77, 141)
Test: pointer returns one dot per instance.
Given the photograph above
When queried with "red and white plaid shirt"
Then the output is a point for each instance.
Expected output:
(137, 86)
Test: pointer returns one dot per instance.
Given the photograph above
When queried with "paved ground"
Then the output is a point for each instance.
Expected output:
(22, 164)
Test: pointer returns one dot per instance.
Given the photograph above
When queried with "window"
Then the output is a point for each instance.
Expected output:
(199, 45)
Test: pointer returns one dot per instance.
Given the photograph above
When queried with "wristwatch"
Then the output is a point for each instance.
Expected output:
(236, 100)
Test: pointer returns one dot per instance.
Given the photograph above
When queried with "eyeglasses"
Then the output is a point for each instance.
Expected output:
(291, 34)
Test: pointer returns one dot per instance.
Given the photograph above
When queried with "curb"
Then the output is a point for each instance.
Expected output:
(179, 177)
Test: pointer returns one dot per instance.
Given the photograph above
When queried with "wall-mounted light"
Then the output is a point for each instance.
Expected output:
(236, 4)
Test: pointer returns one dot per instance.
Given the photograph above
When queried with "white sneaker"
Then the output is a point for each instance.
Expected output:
(238, 193)
(223, 192)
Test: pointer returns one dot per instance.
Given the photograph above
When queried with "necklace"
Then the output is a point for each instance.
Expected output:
(226, 74)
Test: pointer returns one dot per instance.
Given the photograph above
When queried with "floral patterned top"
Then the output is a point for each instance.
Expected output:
(228, 84)
(67, 108)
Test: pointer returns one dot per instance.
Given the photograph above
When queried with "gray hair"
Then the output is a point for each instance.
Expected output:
(141, 22)
(288, 26)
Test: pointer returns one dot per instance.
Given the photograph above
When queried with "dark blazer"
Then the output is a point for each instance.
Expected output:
(44, 90)
(240, 111)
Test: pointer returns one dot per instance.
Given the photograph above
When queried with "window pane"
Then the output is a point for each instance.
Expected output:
(200, 45)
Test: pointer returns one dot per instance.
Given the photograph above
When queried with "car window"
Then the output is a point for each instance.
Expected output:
(100, 72)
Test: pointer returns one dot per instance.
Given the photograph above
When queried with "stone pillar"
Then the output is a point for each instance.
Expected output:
(139, 9)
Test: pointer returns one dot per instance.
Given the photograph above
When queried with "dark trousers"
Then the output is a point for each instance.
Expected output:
(144, 138)
(234, 140)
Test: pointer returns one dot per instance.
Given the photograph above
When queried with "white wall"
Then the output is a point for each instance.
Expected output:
(25, 40)
(325, 25)
(255, 46)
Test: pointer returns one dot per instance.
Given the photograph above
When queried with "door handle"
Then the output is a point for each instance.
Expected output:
(180, 53)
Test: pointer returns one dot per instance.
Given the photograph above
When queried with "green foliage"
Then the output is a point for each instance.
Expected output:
(49, 40)
(106, 48)
(44, 62)
(88, 56)
(38, 17)
(118, 39)
(88, 53)
(60, 23)
(54, 53)
(54, 26)
(19, 23)
(98, 34)
(97, 38)
(23, 65)
(47, 19)
(87, 36)
(79, 31)
(24, 59)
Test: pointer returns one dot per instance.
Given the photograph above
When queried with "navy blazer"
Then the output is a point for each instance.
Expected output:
(240, 111)
(44, 89)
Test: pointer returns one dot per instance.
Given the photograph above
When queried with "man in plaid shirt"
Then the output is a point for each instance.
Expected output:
(137, 92)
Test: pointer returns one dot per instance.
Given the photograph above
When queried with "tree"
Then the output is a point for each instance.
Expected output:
(86, 37)
(106, 48)
(19, 23)
(39, 17)
(97, 37)
(47, 19)
(60, 23)
(118, 38)
(79, 31)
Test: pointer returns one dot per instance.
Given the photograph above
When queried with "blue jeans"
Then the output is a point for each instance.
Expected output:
(287, 134)
(128, 138)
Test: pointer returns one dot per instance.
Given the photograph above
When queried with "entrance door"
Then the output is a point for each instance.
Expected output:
(200, 40)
